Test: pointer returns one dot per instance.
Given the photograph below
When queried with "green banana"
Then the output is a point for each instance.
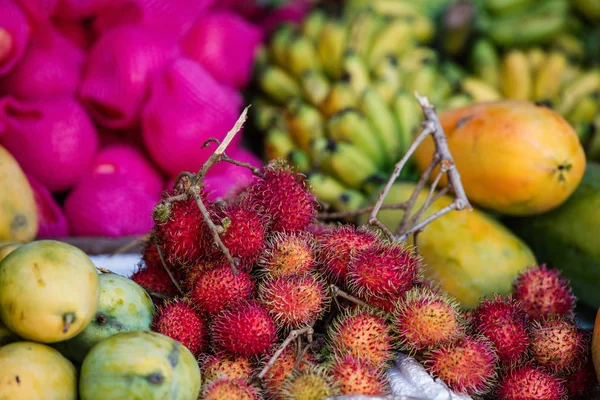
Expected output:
(422, 80)
(485, 62)
(339, 97)
(386, 78)
(278, 84)
(279, 44)
(350, 126)
(503, 7)
(394, 39)
(315, 86)
(334, 193)
(313, 24)
(363, 30)
(301, 56)
(593, 146)
(590, 9)
(409, 116)
(456, 101)
(330, 48)
(278, 144)
(396, 9)
(587, 83)
(355, 71)
(350, 165)
(304, 123)
(416, 58)
(379, 114)
(299, 159)
(570, 45)
(586, 110)
(453, 72)
(266, 115)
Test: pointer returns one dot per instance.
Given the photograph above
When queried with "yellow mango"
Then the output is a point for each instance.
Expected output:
(18, 213)
(470, 254)
(31, 370)
(7, 248)
(513, 156)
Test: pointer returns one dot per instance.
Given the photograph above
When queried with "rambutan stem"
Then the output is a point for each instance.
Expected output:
(164, 264)
(252, 168)
(337, 292)
(291, 337)
(303, 351)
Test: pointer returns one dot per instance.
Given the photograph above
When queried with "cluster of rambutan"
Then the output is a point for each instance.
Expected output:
(287, 263)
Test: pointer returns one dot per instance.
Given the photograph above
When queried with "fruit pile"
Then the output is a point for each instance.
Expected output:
(102, 103)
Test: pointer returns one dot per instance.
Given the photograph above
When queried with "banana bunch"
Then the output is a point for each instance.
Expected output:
(548, 76)
(336, 98)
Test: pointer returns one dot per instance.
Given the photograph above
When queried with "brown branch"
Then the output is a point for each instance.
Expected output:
(337, 292)
(360, 211)
(255, 171)
(291, 337)
(302, 353)
(130, 245)
(166, 268)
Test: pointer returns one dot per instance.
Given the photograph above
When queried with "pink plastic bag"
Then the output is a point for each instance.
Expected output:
(14, 35)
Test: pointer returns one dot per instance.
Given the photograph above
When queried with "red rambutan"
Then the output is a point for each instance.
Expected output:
(219, 288)
(339, 245)
(384, 270)
(364, 334)
(152, 260)
(532, 383)
(155, 279)
(179, 320)
(557, 344)
(424, 319)
(192, 273)
(386, 303)
(285, 196)
(226, 366)
(358, 376)
(467, 365)
(504, 322)
(246, 329)
(180, 229)
(294, 300)
(244, 232)
(289, 253)
(230, 389)
(281, 369)
(582, 383)
(311, 383)
(543, 291)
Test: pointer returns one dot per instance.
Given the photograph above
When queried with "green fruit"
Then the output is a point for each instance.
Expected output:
(49, 291)
(31, 370)
(567, 237)
(124, 306)
(470, 254)
(139, 365)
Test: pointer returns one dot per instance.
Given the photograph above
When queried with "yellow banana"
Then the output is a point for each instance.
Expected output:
(339, 97)
(355, 71)
(352, 127)
(416, 58)
(536, 57)
(503, 7)
(422, 80)
(330, 47)
(587, 83)
(278, 144)
(304, 123)
(278, 84)
(547, 80)
(315, 86)
(517, 82)
(394, 39)
(479, 90)
(279, 44)
(396, 9)
(313, 24)
(348, 164)
(456, 101)
(585, 110)
(423, 28)
(364, 28)
(381, 117)
(386, 78)
(409, 116)
(301, 56)
(485, 62)
(334, 193)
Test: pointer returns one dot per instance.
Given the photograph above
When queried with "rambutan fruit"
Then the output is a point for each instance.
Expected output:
(543, 291)
(530, 382)
(281, 369)
(294, 300)
(152, 261)
(338, 246)
(424, 318)
(193, 272)
(467, 365)
(557, 344)
(362, 333)
(219, 288)
(155, 279)
(288, 253)
(384, 269)
(354, 375)
(313, 383)
(180, 229)
(230, 389)
(224, 365)
(244, 232)
(505, 323)
(179, 320)
(582, 383)
(386, 303)
(245, 329)
(285, 196)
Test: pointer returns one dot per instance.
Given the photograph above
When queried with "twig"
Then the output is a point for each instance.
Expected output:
(130, 245)
(252, 168)
(360, 211)
(291, 337)
(302, 353)
(164, 264)
(337, 292)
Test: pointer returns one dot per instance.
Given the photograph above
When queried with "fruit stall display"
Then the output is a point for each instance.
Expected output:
(409, 207)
